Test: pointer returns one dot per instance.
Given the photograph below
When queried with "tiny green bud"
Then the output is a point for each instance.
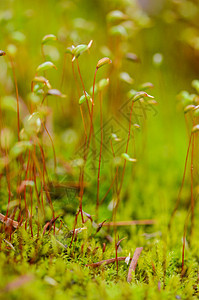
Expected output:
(124, 76)
(38, 88)
(189, 108)
(128, 158)
(116, 15)
(70, 50)
(132, 57)
(140, 95)
(77, 51)
(186, 98)
(115, 137)
(48, 38)
(55, 92)
(46, 66)
(146, 86)
(42, 79)
(82, 99)
(195, 128)
(103, 61)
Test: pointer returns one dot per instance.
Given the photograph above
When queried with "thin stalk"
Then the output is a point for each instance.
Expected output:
(43, 160)
(92, 109)
(100, 156)
(31, 211)
(184, 240)
(116, 173)
(76, 81)
(63, 71)
(42, 197)
(8, 183)
(79, 94)
(82, 115)
(192, 196)
(86, 152)
(25, 202)
(43, 179)
(18, 124)
(44, 97)
(35, 182)
(182, 184)
(78, 68)
(127, 145)
(121, 182)
(112, 148)
(31, 202)
(17, 96)
(81, 192)
(81, 177)
(90, 112)
(54, 154)
(75, 223)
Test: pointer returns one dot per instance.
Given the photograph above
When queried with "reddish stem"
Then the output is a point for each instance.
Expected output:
(8, 183)
(100, 155)
(184, 241)
(75, 223)
(127, 145)
(54, 154)
(17, 96)
(83, 86)
(26, 176)
(192, 196)
(182, 184)
(92, 109)
(110, 187)
(63, 71)
(31, 202)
